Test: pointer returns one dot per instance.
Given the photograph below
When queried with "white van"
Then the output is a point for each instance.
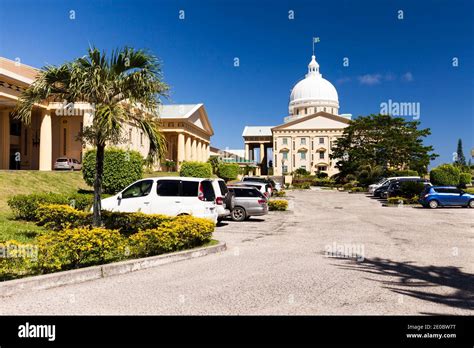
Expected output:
(224, 199)
(168, 196)
(373, 187)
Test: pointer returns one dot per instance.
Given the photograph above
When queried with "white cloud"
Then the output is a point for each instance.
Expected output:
(370, 79)
(343, 80)
(408, 76)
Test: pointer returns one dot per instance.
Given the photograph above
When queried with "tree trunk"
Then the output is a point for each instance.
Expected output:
(99, 171)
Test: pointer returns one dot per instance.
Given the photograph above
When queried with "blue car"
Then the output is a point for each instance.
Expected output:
(436, 196)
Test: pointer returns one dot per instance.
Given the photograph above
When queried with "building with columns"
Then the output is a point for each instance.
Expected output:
(55, 127)
(308, 133)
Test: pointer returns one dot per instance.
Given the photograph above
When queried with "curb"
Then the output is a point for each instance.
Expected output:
(42, 282)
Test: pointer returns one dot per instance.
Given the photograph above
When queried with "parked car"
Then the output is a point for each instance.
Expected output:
(66, 163)
(249, 201)
(435, 196)
(224, 198)
(394, 189)
(168, 196)
(381, 191)
(383, 181)
(264, 188)
(274, 185)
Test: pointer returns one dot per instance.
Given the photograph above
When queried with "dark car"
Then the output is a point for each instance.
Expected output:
(382, 190)
(248, 201)
(272, 183)
(395, 187)
(435, 196)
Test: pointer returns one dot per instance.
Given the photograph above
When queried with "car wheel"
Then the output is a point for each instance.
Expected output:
(471, 203)
(433, 204)
(238, 214)
(72, 169)
(247, 217)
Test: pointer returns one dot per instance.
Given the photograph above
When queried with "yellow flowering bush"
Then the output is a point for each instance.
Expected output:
(183, 232)
(278, 204)
(17, 259)
(73, 248)
(57, 217)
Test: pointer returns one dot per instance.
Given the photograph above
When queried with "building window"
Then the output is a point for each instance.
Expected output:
(303, 155)
(305, 111)
(303, 141)
(321, 155)
(275, 146)
(324, 109)
(321, 140)
(64, 141)
(130, 135)
(323, 168)
(285, 155)
(294, 145)
(303, 167)
(141, 138)
(284, 169)
(312, 145)
(285, 141)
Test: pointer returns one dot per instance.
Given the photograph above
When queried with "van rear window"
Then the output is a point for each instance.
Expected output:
(167, 188)
(208, 190)
(190, 188)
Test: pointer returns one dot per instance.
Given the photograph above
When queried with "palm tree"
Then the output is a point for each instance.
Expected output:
(124, 88)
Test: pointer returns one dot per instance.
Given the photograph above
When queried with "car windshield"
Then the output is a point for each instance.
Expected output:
(61, 160)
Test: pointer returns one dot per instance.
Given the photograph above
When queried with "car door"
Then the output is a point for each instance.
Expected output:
(188, 197)
(168, 201)
(136, 197)
(456, 197)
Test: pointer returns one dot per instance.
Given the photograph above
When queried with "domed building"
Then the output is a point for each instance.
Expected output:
(308, 133)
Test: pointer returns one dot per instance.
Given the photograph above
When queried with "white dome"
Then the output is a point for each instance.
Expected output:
(313, 93)
(314, 88)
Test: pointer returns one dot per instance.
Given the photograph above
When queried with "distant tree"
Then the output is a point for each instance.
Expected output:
(460, 159)
(382, 141)
(214, 162)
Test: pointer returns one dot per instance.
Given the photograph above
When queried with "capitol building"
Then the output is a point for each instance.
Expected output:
(308, 133)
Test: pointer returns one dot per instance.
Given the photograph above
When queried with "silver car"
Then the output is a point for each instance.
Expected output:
(66, 163)
(248, 201)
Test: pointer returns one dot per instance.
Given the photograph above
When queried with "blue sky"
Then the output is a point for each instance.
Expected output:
(405, 60)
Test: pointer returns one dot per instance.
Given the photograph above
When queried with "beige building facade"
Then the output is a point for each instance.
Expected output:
(55, 128)
(308, 133)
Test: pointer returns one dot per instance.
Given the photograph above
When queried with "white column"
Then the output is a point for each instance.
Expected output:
(187, 156)
(180, 155)
(207, 152)
(247, 154)
(194, 150)
(46, 143)
(262, 152)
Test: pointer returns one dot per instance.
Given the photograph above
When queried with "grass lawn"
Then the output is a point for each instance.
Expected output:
(26, 181)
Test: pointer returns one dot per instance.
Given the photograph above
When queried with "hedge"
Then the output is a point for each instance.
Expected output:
(465, 179)
(277, 204)
(73, 248)
(228, 171)
(196, 169)
(121, 168)
(58, 217)
(25, 206)
(406, 172)
(402, 200)
(17, 259)
(184, 232)
(445, 175)
(409, 189)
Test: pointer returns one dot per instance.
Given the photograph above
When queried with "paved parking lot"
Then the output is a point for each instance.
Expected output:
(333, 253)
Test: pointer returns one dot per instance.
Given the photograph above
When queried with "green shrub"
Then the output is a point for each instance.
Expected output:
(408, 189)
(470, 190)
(301, 172)
(348, 186)
(277, 204)
(196, 169)
(301, 185)
(321, 175)
(25, 206)
(325, 182)
(280, 193)
(464, 179)
(357, 189)
(121, 168)
(184, 232)
(58, 217)
(129, 223)
(402, 200)
(73, 248)
(350, 177)
(17, 259)
(228, 171)
(445, 175)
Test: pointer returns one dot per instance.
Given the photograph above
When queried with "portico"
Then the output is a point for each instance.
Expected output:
(260, 138)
